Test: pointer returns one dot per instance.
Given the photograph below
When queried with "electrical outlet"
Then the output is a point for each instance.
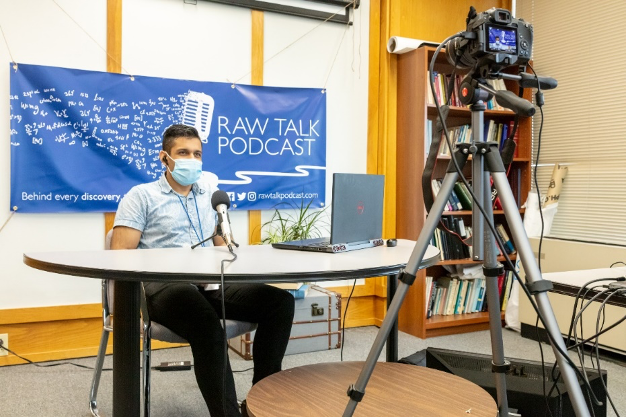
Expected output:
(4, 340)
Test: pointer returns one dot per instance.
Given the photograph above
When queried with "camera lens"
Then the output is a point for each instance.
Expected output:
(455, 47)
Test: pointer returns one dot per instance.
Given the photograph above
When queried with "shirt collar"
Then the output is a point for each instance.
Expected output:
(166, 188)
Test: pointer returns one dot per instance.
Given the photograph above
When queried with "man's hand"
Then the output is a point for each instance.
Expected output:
(217, 240)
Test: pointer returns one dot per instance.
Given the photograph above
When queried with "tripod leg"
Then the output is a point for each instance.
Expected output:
(533, 276)
(356, 391)
(491, 270)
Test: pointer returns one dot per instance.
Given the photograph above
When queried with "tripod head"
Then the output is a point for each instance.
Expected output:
(474, 88)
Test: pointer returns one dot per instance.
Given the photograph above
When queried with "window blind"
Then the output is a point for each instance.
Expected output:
(581, 45)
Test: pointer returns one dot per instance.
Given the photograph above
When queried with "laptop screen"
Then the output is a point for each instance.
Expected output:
(357, 207)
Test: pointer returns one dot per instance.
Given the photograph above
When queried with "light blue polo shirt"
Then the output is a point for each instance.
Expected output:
(167, 219)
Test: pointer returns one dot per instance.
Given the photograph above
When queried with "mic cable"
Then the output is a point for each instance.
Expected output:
(226, 344)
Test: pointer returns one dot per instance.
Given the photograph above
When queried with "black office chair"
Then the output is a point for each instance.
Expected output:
(149, 330)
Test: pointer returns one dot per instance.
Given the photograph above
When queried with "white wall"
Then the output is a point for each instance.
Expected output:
(167, 38)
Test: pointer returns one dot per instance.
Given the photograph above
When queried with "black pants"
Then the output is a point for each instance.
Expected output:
(195, 315)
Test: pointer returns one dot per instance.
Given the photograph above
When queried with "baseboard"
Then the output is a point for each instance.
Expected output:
(51, 333)
(607, 353)
(72, 331)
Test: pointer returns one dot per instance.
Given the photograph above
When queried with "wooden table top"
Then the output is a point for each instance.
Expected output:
(394, 389)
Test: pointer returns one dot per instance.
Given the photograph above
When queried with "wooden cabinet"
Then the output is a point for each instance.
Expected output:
(413, 113)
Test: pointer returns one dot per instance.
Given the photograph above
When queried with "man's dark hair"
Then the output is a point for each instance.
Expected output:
(177, 131)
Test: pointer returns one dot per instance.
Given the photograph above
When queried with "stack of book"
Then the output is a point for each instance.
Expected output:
(451, 244)
(298, 290)
(496, 85)
(454, 201)
(492, 132)
(456, 295)
(507, 243)
(457, 135)
(454, 243)
(441, 89)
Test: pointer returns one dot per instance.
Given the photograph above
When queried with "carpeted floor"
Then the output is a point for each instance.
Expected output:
(27, 390)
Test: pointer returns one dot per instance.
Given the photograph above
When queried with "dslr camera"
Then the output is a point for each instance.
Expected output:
(493, 40)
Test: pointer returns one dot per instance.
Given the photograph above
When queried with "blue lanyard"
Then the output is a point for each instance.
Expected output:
(201, 237)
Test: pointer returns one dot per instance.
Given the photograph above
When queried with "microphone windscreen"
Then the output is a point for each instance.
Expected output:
(220, 198)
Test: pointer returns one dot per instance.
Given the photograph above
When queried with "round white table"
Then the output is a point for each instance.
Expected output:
(254, 264)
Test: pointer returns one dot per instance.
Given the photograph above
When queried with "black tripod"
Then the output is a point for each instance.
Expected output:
(486, 161)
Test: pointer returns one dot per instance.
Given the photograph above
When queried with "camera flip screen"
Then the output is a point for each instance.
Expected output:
(502, 40)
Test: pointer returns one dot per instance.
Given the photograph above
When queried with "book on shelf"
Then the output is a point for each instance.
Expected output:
(490, 131)
(507, 243)
(471, 295)
(429, 94)
(437, 242)
(428, 137)
(460, 229)
(457, 135)
(504, 284)
(463, 195)
(444, 285)
(494, 196)
(437, 84)
(498, 84)
(461, 297)
(515, 139)
(450, 239)
(505, 130)
(441, 83)
(471, 298)
(429, 294)
(447, 297)
(456, 204)
(480, 295)
(457, 296)
(438, 299)
(514, 178)
(507, 290)
(452, 297)
(435, 187)
(500, 280)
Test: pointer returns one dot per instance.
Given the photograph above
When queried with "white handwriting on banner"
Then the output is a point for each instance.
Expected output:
(128, 131)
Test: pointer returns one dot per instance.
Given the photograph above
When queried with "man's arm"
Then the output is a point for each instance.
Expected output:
(125, 238)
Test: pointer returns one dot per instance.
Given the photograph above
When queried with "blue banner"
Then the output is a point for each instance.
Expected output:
(81, 139)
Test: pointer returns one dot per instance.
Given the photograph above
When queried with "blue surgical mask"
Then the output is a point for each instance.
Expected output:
(186, 170)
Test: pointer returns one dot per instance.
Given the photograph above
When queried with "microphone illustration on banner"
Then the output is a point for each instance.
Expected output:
(220, 202)
(198, 112)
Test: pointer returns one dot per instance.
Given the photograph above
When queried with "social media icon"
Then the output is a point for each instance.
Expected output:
(231, 196)
(241, 196)
(252, 196)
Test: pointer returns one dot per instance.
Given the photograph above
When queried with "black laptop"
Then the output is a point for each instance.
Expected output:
(356, 216)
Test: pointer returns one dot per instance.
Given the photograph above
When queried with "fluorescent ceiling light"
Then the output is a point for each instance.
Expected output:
(308, 5)
(338, 11)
